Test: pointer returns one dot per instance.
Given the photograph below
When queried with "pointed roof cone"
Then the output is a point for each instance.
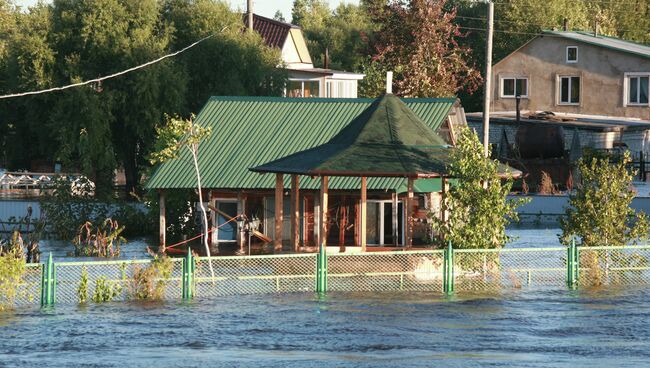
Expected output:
(386, 139)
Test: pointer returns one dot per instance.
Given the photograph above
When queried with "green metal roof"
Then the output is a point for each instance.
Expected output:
(386, 139)
(250, 131)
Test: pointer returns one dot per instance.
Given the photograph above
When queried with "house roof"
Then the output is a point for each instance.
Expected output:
(605, 41)
(386, 139)
(567, 120)
(250, 131)
(272, 31)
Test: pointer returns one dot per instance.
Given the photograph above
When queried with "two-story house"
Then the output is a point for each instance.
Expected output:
(304, 79)
(575, 73)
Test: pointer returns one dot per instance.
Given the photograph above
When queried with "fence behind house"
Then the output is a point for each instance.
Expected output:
(443, 271)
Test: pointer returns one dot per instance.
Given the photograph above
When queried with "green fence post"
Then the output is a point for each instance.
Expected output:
(321, 271)
(48, 282)
(573, 263)
(188, 276)
(448, 270)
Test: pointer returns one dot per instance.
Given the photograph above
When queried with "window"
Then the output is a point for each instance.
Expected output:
(303, 88)
(572, 54)
(569, 90)
(637, 90)
(512, 87)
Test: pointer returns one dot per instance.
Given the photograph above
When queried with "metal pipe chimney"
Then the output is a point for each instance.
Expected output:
(249, 14)
(389, 83)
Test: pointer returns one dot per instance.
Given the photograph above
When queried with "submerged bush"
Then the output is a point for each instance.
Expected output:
(103, 241)
(82, 289)
(12, 269)
(106, 290)
(149, 283)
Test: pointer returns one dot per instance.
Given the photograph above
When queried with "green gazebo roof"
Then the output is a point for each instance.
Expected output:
(387, 139)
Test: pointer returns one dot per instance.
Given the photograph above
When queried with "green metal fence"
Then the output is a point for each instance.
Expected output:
(445, 271)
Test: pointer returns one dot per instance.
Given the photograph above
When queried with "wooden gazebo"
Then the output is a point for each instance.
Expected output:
(385, 140)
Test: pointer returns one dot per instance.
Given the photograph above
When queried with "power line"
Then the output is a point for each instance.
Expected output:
(110, 76)
(541, 25)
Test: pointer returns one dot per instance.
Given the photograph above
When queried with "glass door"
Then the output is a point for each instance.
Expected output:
(381, 220)
(226, 231)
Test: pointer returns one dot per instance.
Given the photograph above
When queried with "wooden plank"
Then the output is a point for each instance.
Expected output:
(408, 211)
(295, 213)
(363, 213)
(279, 193)
(161, 220)
(322, 233)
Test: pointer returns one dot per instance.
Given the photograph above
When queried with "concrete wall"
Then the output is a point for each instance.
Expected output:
(601, 71)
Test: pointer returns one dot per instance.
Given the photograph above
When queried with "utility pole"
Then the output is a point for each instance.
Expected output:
(488, 78)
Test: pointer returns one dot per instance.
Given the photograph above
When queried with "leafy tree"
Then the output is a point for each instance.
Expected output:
(477, 204)
(599, 210)
(176, 135)
(279, 16)
(417, 40)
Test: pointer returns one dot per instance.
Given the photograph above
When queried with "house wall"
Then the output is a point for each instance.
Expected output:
(294, 51)
(601, 70)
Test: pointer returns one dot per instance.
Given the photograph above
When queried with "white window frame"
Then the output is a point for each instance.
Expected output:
(626, 88)
(382, 225)
(567, 55)
(559, 90)
(503, 78)
(216, 221)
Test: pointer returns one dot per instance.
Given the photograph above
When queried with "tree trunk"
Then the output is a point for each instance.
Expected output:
(194, 149)
(131, 173)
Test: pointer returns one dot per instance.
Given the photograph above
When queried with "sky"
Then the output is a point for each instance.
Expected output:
(265, 8)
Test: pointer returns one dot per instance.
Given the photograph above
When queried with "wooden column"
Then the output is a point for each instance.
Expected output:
(241, 209)
(295, 213)
(363, 214)
(444, 215)
(322, 232)
(161, 221)
(395, 219)
(279, 193)
(316, 220)
(408, 212)
(214, 218)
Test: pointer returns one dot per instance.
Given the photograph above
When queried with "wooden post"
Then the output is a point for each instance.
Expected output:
(279, 193)
(317, 220)
(409, 215)
(343, 223)
(322, 232)
(443, 200)
(295, 213)
(214, 219)
(241, 209)
(395, 219)
(162, 223)
(363, 214)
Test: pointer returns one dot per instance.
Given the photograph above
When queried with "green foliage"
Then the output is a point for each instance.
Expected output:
(82, 289)
(106, 290)
(103, 241)
(149, 283)
(175, 135)
(478, 206)
(12, 269)
(418, 41)
(72, 203)
(599, 212)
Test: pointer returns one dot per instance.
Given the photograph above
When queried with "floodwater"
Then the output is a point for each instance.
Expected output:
(598, 328)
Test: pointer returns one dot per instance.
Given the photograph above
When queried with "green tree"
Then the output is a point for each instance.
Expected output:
(279, 16)
(599, 210)
(478, 207)
(417, 40)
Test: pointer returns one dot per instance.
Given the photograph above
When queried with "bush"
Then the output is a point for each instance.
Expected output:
(149, 283)
(106, 290)
(12, 269)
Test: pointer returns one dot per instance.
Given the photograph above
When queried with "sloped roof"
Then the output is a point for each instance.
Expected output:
(272, 31)
(250, 131)
(605, 41)
(386, 139)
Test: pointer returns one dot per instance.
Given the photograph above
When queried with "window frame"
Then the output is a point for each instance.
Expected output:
(302, 86)
(566, 55)
(559, 90)
(515, 78)
(626, 89)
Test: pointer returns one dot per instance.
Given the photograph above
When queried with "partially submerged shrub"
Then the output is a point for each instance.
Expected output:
(82, 289)
(12, 269)
(106, 290)
(150, 282)
(103, 241)
(546, 185)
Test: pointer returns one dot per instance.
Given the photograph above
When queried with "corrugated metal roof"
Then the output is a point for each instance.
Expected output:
(604, 41)
(250, 131)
